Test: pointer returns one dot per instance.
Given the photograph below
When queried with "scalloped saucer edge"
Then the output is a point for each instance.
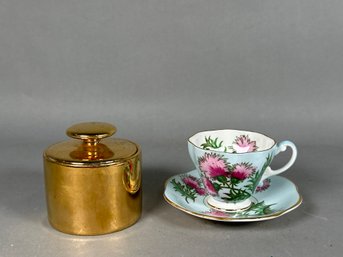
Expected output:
(273, 198)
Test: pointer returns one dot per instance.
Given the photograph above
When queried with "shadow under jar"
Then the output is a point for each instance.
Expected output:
(93, 183)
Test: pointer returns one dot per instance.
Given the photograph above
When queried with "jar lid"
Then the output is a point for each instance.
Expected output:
(91, 149)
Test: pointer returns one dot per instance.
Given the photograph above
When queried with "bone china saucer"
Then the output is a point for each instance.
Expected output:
(274, 198)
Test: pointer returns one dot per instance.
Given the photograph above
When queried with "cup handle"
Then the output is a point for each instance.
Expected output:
(281, 147)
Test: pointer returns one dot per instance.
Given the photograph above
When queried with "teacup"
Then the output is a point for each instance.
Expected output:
(234, 163)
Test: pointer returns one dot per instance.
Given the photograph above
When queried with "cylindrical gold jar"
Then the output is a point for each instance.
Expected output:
(93, 185)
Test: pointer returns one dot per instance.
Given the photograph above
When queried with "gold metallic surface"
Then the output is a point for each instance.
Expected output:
(91, 130)
(93, 188)
(78, 153)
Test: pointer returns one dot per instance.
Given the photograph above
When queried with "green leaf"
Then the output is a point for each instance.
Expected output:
(259, 208)
(222, 179)
(184, 190)
(209, 142)
(216, 186)
(256, 177)
(236, 194)
(235, 181)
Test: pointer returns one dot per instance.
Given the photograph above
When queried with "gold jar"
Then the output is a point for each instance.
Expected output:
(92, 184)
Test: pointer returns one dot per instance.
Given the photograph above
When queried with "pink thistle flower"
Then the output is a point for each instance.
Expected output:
(200, 191)
(242, 171)
(210, 188)
(265, 185)
(193, 183)
(213, 165)
(217, 213)
(243, 144)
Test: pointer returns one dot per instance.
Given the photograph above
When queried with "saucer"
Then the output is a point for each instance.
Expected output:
(274, 198)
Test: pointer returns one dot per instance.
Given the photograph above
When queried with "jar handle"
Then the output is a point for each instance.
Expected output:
(91, 132)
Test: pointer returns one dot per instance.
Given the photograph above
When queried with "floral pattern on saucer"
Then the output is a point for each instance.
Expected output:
(273, 198)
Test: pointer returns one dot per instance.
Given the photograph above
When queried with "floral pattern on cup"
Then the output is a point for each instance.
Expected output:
(219, 174)
(241, 144)
(265, 185)
(230, 182)
(213, 165)
(220, 178)
(209, 186)
(242, 171)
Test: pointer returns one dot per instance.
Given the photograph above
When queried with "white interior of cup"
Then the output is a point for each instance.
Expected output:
(232, 141)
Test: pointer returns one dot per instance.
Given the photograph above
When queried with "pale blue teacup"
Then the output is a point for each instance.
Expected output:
(233, 163)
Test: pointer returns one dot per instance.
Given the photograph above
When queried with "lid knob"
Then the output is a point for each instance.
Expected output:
(91, 131)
